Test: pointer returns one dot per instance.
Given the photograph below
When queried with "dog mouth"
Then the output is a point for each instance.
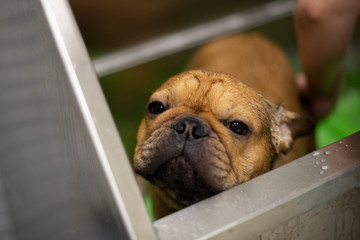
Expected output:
(186, 161)
(180, 181)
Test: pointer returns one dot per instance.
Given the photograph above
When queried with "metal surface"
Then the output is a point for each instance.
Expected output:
(336, 219)
(192, 37)
(297, 201)
(64, 173)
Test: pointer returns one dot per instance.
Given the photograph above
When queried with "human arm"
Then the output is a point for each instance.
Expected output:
(324, 30)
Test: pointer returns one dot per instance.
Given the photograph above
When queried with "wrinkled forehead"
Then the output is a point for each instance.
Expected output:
(220, 94)
(207, 89)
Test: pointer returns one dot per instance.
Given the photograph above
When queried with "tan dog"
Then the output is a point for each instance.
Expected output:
(208, 130)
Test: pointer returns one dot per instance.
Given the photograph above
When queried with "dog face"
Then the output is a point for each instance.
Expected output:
(206, 132)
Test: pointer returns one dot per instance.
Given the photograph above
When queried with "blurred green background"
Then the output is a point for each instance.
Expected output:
(345, 119)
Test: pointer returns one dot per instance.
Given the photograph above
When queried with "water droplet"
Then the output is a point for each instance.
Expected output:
(325, 167)
(322, 160)
(341, 142)
(327, 153)
(346, 145)
(336, 150)
(317, 163)
(316, 154)
(321, 172)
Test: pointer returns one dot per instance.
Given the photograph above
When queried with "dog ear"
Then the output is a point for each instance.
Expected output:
(287, 126)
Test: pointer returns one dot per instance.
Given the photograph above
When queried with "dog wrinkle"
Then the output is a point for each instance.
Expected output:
(212, 164)
(149, 159)
(199, 81)
(228, 157)
(220, 157)
(201, 91)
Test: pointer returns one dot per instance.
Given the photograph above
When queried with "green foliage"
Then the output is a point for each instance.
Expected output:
(345, 119)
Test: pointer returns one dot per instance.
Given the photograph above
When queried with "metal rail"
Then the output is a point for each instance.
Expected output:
(192, 37)
(314, 197)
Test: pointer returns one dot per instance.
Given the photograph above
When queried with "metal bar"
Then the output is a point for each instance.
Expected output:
(287, 194)
(97, 116)
(62, 164)
(192, 37)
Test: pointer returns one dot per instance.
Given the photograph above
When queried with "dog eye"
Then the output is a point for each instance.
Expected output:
(156, 108)
(239, 127)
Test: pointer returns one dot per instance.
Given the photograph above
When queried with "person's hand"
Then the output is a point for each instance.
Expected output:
(317, 106)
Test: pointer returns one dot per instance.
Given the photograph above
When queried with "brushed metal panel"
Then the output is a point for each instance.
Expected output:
(62, 164)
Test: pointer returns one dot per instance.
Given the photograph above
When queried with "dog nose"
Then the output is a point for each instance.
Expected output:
(192, 128)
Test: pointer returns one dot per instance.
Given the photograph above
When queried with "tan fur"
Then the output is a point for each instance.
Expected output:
(241, 55)
(237, 73)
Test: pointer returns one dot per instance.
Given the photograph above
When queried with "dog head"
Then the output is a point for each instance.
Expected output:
(206, 132)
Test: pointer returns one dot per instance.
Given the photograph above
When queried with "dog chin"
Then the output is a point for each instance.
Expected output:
(180, 181)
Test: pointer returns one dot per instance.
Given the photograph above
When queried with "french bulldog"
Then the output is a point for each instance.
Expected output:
(233, 116)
